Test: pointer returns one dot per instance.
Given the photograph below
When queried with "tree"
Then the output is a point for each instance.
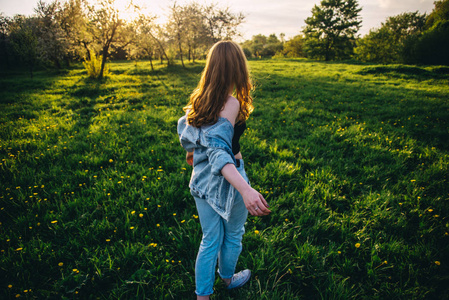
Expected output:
(178, 27)
(196, 36)
(4, 40)
(107, 28)
(221, 23)
(145, 44)
(294, 47)
(263, 46)
(387, 44)
(24, 41)
(438, 14)
(196, 28)
(330, 31)
(52, 42)
(73, 20)
(430, 46)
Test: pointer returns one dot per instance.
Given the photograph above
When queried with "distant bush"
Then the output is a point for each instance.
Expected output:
(93, 65)
(262, 46)
(388, 43)
(247, 52)
(294, 47)
(431, 48)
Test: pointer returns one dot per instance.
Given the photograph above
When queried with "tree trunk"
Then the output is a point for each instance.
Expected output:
(190, 50)
(161, 48)
(67, 61)
(87, 51)
(326, 54)
(57, 63)
(151, 63)
(150, 55)
(180, 49)
(103, 60)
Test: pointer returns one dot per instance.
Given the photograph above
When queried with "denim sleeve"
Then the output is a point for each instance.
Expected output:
(188, 135)
(219, 145)
(218, 158)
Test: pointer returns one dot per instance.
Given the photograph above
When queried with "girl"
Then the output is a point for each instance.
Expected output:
(210, 132)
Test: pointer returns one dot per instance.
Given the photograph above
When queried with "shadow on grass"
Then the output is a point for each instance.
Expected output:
(408, 72)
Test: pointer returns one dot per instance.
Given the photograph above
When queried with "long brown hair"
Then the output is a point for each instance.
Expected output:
(226, 67)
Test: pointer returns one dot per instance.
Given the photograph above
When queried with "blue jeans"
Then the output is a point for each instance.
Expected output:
(221, 240)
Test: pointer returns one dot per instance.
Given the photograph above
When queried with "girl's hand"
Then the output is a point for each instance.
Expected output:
(255, 203)
(189, 158)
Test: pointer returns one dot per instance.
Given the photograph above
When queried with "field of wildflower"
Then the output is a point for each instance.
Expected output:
(353, 159)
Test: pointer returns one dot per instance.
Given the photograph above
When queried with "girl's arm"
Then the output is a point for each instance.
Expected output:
(254, 201)
(189, 158)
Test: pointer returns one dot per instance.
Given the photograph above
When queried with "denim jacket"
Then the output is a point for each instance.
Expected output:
(212, 147)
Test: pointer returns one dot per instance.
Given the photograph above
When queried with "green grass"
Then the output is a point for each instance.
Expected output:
(353, 159)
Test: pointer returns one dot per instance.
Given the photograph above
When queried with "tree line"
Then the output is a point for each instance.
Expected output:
(331, 34)
(60, 33)
(94, 32)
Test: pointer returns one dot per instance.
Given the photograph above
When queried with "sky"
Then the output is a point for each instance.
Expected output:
(262, 16)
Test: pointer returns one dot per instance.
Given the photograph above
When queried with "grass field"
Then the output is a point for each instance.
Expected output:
(353, 159)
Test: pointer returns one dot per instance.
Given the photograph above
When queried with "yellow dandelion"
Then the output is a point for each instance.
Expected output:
(132, 227)
(10, 286)
(183, 221)
(158, 225)
(174, 214)
(430, 210)
(437, 263)
(19, 249)
(158, 205)
(54, 222)
(141, 215)
(111, 161)
(60, 264)
(75, 270)
(413, 180)
(18, 296)
(167, 260)
(339, 252)
(256, 231)
(108, 240)
(286, 220)
(119, 182)
(357, 245)
(133, 212)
